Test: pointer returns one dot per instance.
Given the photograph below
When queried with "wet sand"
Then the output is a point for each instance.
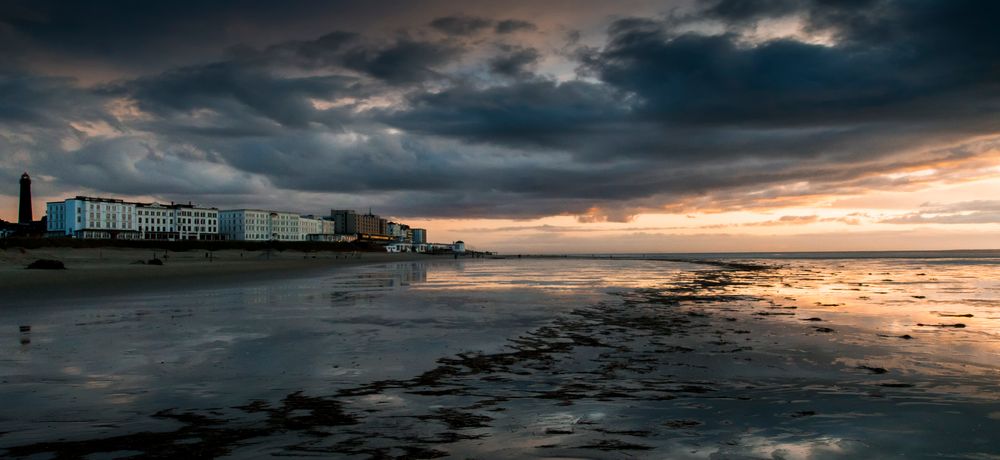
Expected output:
(516, 359)
(100, 271)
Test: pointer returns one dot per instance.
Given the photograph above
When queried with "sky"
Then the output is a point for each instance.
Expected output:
(525, 126)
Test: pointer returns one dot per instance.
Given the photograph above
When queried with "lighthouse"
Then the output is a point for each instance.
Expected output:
(24, 211)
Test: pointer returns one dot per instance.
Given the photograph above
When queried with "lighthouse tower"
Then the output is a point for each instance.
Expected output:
(24, 211)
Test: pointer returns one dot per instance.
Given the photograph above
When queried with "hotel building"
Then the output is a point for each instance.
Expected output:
(90, 217)
(419, 236)
(349, 222)
(109, 218)
(259, 225)
(196, 223)
(177, 222)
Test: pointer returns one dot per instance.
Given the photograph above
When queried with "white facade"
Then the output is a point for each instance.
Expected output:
(107, 218)
(408, 247)
(309, 226)
(177, 222)
(259, 225)
(155, 222)
(195, 223)
(312, 228)
(89, 217)
(55, 217)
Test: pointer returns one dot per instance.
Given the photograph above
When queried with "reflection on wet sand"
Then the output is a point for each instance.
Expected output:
(776, 359)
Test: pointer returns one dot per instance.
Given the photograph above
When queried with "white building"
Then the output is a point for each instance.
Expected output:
(197, 223)
(90, 217)
(458, 246)
(309, 225)
(155, 221)
(177, 222)
(259, 225)
(399, 232)
(400, 246)
(313, 228)
(108, 218)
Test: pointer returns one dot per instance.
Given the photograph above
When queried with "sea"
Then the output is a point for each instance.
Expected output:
(686, 356)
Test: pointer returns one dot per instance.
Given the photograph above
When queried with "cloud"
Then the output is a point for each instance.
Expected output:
(965, 212)
(508, 26)
(528, 113)
(516, 62)
(460, 25)
(785, 220)
(459, 116)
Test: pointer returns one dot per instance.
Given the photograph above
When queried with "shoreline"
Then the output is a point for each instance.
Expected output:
(95, 272)
(771, 255)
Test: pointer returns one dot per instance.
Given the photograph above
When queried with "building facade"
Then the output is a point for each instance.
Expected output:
(109, 218)
(419, 236)
(155, 222)
(259, 225)
(309, 225)
(90, 217)
(177, 222)
(399, 232)
(197, 223)
(314, 228)
(349, 222)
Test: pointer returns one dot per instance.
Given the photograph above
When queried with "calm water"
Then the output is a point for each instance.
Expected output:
(806, 358)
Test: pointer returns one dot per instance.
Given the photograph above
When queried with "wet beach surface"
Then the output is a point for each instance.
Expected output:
(522, 358)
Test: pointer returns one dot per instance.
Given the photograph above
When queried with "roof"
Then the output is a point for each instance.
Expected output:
(259, 210)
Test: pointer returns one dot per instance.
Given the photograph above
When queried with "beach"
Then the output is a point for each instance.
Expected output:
(519, 358)
(95, 271)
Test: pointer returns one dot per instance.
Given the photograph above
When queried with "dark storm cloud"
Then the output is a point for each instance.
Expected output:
(736, 11)
(518, 62)
(788, 110)
(404, 62)
(445, 118)
(716, 81)
(232, 89)
(886, 61)
(134, 35)
(460, 25)
(524, 114)
(400, 60)
(44, 102)
(508, 26)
